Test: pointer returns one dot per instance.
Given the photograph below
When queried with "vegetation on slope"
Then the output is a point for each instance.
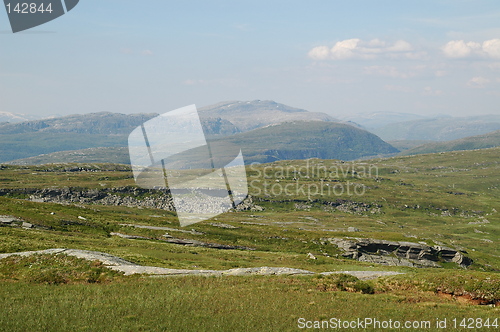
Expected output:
(448, 199)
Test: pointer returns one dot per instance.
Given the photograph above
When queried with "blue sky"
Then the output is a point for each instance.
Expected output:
(337, 57)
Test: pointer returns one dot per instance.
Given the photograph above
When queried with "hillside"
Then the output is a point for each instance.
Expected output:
(488, 140)
(302, 244)
(92, 155)
(303, 140)
(286, 141)
(439, 129)
(403, 145)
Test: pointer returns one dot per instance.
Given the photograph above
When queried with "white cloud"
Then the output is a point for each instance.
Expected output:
(478, 82)
(397, 88)
(400, 46)
(391, 71)
(319, 53)
(494, 66)
(428, 91)
(492, 48)
(131, 51)
(228, 82)
(461, 49)
(358, 49)
(344, 49)
(440, 73)
(193, 82)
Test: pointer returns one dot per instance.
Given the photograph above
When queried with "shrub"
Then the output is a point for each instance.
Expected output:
(344, 282)
(54, 270)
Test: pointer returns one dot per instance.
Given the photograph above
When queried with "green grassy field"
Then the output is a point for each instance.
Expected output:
(446, 199)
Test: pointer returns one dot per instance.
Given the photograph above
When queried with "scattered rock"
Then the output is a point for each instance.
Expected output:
(301, 206)
(311, 256)
(353, 229)
(161, 228)
(222, 225)
(27, 225)
(253, 223)
(185, 242)
(7, 220)
(365, 275)
(265, 271)
(196, 243)
(480, 222)
(125, 236)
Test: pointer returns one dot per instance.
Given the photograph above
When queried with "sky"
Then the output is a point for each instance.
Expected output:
(427, 57)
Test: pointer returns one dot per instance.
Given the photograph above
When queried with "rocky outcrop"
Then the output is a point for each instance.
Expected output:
(398, 253)
(122, 196)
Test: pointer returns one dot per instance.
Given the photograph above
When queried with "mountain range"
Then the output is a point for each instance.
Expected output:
(265, 130)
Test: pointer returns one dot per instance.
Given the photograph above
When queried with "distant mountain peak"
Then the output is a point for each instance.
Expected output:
(248, 115)
(15, 117)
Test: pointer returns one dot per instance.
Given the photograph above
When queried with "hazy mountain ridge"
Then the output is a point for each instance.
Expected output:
(439, 129)
(488, 140)
(94, 123)
(379, 119)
